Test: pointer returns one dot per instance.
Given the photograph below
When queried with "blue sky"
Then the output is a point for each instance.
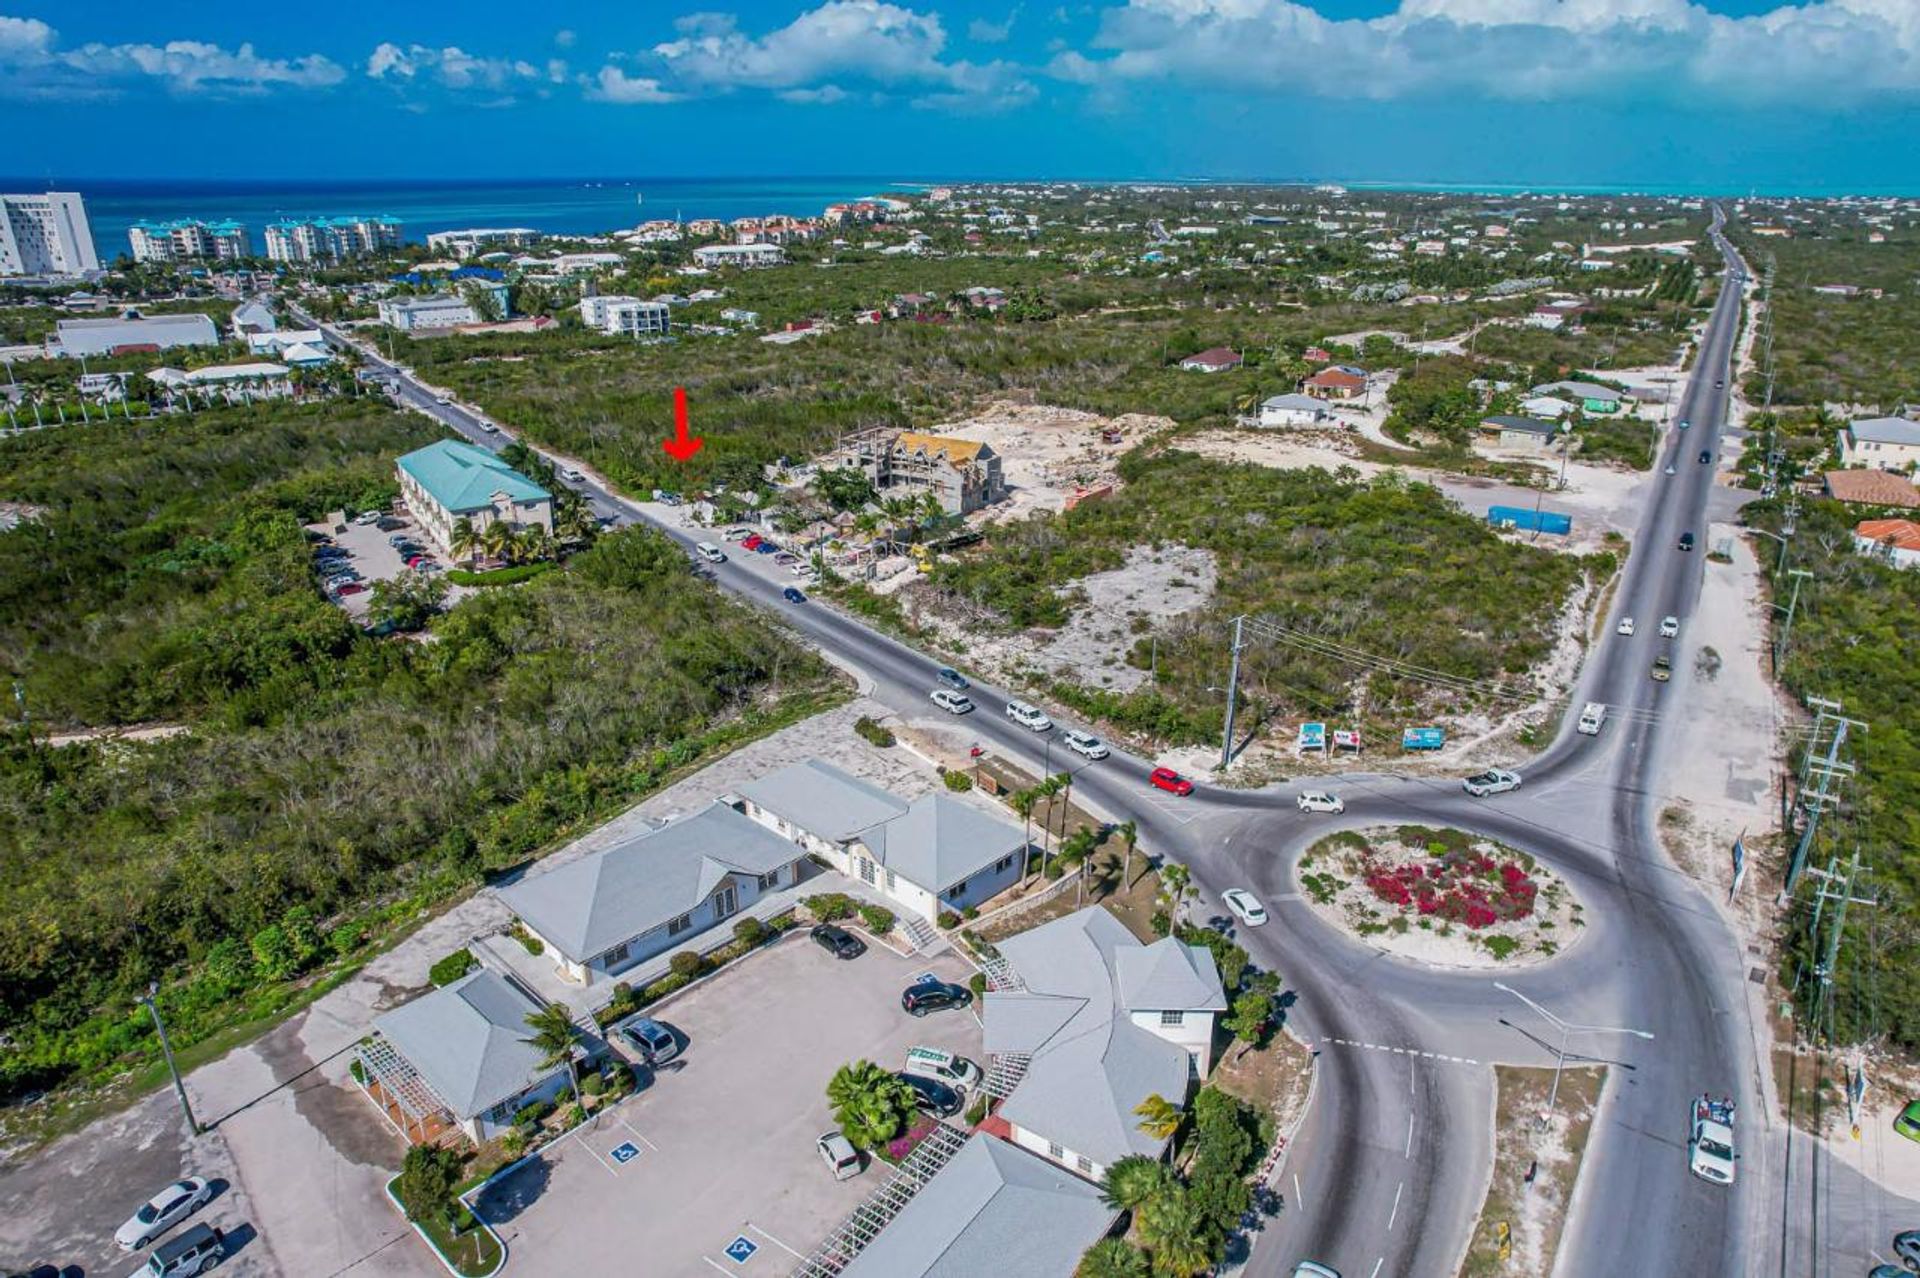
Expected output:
(1726, 95)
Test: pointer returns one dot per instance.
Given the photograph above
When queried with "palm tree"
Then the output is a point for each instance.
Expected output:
(553, 1034)
(1174, 1229)
(1159, 1117)
(1066, 801)
(1023, 801)
(1134, 1181)
(1175, 883)
(1130, 831)
(463, 540)
(1113, 1258)
(535, 542)
(869, 1103)
(496, 540)
(1047, 790)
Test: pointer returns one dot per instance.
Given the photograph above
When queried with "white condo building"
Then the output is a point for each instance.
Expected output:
(188, 240)
(625, 316)
(45, 235)
(328, 239)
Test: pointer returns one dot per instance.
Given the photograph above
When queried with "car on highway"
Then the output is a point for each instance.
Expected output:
(792, 595)
(837, 941)
(1170, 781)
(1314, 1269)
(1320, 801)
(162, 1212)
(443, 399)
(1662, 668)
(654, 1041)
(950, 701)
(490, 428)
(1625, 627)
(1085, 743)
(1030, 717)
(1669, 627)
(1492, 781)
(1686, 541)
(838, 1153)
(572, 476)
(1889, 1271)
(931, 994)
(1906, 1246)
(1683, 423)
(952, 678)
(1710, 1139)
(1244, 906)
(1592, 715)
(931, 1096)
(1907, 1121)
(711, 553)
(1705, 456)
(1719, 383)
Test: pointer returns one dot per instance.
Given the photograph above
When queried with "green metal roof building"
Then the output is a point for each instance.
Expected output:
(454, 480)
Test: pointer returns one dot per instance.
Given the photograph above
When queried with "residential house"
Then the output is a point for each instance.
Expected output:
(1870, 488)
(1337, 382)
(1294, 410)
(451, 480)
(252, 317)
(626, 316)
(458, 1058)
(1216, 360)
(611, 910)
(251, 381)
(963, 474)
(1882, 443)
(277, 342)
(130, 333)
(746, 255)
(1895, 540)
(935, 854)
(1317, 355)
(1517, 432)
(1590, 396)
(1104, 1022)
(740, 315)
(993, 1209)
(1545, 408)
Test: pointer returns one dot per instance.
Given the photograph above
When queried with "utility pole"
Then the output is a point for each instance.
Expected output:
(1233, 688)
(166, 1050)
(1824, 772)
(1837, 888)
(1793, 601)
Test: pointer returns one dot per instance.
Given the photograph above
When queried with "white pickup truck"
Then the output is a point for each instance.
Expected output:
(1710, 1140)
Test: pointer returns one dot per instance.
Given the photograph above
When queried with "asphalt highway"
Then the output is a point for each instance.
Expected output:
(1388, 1171)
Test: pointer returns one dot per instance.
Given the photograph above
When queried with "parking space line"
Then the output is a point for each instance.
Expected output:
(775, 1241)
(638, 1136)
(715, 1264)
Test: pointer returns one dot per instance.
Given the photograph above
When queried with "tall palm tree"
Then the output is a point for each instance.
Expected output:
(1113, 1258)
(496, 540)
(1128, 830)
(1175, 1230)
(1134, 1181)
(463, 540)
(535, 543)
(868, 1102)
(553, 1034)
(1159, 1117)
(1023, 801)
(1175, 883)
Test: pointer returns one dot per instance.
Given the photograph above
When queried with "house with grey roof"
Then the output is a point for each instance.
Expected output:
(129, 333)
(1293, 410)
(932, 854)
(1881, 443)
(1590, 396)
(1509, 431)
(993, 1209)
(458, 1058)
(606, 912)
(1103, 1023)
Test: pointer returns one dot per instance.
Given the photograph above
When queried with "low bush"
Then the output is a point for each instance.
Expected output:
(532, 1115)
(451, 968)
(875, 733)
(828, 906)
(359, 1071)
(878, 918)
(498, 576)
(528, 941)
(977, 983)
(686, 963)
(749, 931)
(592, 1085)
(958, 782)
(977, 1112)
(949, 919)
(663, 987)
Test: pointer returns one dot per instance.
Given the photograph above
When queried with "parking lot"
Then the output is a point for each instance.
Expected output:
(371, 553)
(720, 1147)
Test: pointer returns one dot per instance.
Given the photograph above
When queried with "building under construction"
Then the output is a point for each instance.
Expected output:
(962, 474)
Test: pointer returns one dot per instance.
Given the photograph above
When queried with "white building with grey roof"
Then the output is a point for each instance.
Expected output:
(607, 912)
(1103, 1022)
(458, 1057)
(1881, 443)
(929, 855)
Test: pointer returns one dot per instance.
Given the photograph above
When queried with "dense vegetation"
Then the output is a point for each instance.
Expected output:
(325, 774)
(1389, 567)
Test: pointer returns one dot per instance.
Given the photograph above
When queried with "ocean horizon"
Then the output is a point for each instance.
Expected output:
(588, 206)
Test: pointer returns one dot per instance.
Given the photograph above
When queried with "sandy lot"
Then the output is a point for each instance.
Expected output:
(1047, 454)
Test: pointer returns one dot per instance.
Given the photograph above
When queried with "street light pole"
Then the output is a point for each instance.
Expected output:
(1567, 1031)
(166, 1050)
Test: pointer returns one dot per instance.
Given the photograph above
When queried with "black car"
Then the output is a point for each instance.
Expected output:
(933, 996)
(792, 595)
(932, 1096)
(1686, 541)
(1705, 457)
(837, 941)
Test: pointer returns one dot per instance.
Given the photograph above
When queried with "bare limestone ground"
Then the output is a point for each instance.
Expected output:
(1533, 1208)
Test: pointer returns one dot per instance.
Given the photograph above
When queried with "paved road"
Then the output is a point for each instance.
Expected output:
(1392, 1161)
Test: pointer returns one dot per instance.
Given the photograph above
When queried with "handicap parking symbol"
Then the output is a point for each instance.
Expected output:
(624, 1154)
(741, 1249)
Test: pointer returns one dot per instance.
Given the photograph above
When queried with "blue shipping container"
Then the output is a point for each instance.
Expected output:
(1520, 517)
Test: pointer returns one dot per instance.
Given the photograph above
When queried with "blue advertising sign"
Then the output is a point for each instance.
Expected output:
(1423, 739)
(1313, 736)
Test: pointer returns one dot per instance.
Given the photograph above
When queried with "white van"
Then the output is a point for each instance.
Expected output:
(944, 1067)
(1592, 715)
(711, 553)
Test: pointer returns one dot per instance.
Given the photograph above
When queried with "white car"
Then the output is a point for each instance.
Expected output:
(838, 1153)
(490, 428)
(162, 1212)
(800, 568)
(1245, 906)
(1492, 781)
(736, 534)
(1029, 717)
(1321, 801)
(443, 399)
(572, 476)
(367, 518)
(1085, 743)
(950, 701)
(1669, 627)
(1625, 627)
(1710, 1140)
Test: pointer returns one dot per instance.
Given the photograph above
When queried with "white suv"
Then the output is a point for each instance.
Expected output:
(1085, 743)
(950, 701)
(1027, 716)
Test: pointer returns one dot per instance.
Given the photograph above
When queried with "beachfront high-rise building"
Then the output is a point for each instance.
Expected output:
(45, 234)
(328, 239)
(189, 240)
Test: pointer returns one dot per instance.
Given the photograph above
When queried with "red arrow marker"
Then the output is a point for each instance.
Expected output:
(680, 446)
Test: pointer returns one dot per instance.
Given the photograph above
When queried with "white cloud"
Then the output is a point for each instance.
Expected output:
(33, 65)
(565, 37)
(451, 67)
(980, 31)
(826, 94)
(615, 85)
(1818, 53)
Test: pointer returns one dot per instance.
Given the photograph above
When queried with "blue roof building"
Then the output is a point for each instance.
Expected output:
(454, 480)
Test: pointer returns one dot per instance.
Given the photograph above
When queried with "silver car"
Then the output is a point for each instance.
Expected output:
(1492, 781)
(838, 1153)
(162, 1212)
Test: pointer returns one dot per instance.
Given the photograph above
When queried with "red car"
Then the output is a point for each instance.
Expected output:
(752, 540)
(414, 561)
(1170, 781)
(355, 588)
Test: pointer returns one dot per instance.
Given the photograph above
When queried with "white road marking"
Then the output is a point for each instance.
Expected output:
(775, 1241)
(1376, 1267)
(716, 1265)
(637, 1136)
(1395, 1213)
(1298, 1197)
(1409, 1135)
(1406, 1051)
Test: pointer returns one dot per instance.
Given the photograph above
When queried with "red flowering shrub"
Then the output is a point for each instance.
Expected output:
(1467, 887)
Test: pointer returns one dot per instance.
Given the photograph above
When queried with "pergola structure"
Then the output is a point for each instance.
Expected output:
(409, 1103)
